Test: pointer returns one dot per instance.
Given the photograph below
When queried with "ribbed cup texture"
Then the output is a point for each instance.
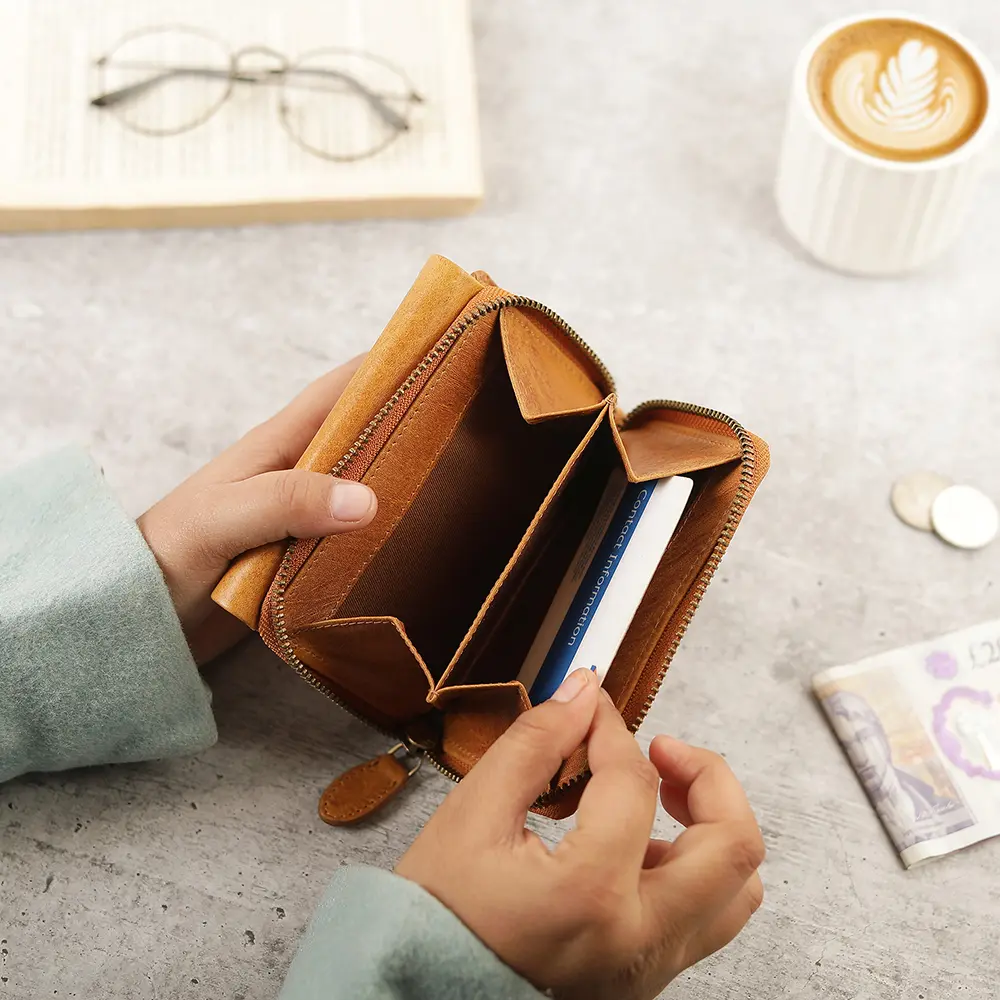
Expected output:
(865, 215)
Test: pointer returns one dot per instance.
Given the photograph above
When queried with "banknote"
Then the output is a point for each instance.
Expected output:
(921, 726)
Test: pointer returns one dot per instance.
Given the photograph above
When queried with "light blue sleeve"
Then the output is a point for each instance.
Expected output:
(94, 667)
(376, 936)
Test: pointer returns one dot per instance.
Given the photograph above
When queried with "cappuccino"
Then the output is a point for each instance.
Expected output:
(897, 89)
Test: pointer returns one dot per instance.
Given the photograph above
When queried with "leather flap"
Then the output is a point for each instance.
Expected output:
(475, 717)
(550, 378)
(371, 661)
(664, 442)
(438, 297)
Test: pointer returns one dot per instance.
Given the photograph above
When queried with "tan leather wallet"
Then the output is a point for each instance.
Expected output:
(487, 428)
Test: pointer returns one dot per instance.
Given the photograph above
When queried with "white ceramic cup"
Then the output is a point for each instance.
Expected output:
(863, 214)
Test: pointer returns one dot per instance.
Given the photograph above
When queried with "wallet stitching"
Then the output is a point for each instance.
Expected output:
(344, 622)
(575, 357)
(360, 809)
(376, 620)
(705, 437)
(456, 748)
(426, 396)
(464, 755)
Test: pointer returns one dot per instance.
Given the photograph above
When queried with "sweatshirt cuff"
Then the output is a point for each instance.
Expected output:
(94, 666)
(376, 936)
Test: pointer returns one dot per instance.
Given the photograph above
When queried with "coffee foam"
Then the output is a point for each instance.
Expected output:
(897, 89)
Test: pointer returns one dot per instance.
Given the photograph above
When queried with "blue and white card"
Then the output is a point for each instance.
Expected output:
(607, 581)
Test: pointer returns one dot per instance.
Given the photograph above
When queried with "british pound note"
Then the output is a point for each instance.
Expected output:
(921, 726)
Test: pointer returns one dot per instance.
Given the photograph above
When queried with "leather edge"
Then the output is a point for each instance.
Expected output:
(438, 296)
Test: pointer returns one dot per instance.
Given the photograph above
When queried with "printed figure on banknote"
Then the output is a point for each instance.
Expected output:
(921, 726)
(911, 809)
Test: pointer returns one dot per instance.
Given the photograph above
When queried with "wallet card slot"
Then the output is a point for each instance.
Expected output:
(457, 482)
(660, 618)
(437, 567)
(503, 631)
(474, 716)
(665, 442)
(370, 663)
(551, 376)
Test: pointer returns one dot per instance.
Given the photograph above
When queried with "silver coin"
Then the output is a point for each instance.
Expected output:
(965, 517)
(913, 495)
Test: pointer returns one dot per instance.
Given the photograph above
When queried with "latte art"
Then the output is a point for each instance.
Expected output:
(897, 89)
(909, 97)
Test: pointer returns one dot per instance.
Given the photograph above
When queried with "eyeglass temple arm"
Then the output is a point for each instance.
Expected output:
(122, 94)
(391, 117)
(126, 93)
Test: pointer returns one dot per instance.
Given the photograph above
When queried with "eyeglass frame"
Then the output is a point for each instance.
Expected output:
(279, 74)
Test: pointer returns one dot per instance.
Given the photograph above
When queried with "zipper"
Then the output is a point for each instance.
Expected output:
(744, 491)
(355, 463)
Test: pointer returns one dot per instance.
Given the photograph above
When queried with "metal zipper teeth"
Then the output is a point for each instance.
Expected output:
(440, 349)
(736, 511)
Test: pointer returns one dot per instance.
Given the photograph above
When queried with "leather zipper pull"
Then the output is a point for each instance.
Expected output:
(357, 793)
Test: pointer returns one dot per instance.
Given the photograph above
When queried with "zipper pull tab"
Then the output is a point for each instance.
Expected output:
(357, 793)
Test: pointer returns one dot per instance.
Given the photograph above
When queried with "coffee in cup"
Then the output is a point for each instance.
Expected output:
(888, 130)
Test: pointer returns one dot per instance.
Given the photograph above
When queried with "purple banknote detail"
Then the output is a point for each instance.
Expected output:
(941, 665)
(961, 715)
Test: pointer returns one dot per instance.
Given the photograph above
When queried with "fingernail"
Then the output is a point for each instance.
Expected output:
(572, 686)
(350, 501)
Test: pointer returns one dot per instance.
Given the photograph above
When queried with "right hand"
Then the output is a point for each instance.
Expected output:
(608, 912)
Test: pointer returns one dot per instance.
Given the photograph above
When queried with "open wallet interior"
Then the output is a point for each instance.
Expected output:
(488, 440)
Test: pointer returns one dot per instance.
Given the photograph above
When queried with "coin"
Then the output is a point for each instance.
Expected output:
(913, 495)
(965, 517)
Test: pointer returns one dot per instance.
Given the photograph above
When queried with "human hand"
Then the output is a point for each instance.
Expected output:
(608, 912)
(246, 497)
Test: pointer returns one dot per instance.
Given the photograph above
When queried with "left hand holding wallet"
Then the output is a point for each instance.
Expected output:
(608, 912)
(248, 496)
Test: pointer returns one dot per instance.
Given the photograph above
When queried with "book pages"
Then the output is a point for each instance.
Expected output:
(66, 163)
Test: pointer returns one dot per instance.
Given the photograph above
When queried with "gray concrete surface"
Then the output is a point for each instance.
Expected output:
(629, 152)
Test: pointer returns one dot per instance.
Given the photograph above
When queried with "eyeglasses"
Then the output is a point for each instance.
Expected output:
(338, 104)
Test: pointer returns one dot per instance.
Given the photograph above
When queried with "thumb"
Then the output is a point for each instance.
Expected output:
(274, 505)
(518, 767)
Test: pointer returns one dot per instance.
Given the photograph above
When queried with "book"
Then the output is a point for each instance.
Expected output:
(921, 727)
(65, 163)
(608, 576)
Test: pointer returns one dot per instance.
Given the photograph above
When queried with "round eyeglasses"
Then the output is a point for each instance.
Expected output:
(338, 104)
